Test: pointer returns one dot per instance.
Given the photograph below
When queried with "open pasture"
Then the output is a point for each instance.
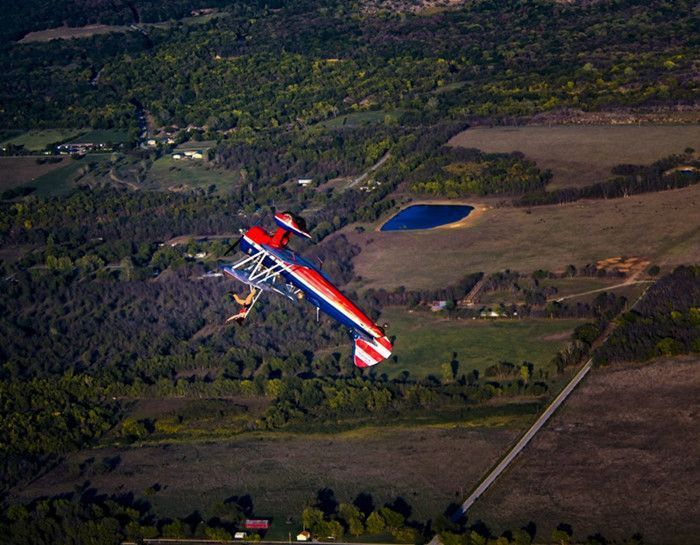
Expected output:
(661, 227)
(17, 171)
(361, 119)
(38, 140)
(619, 458)
(283, 472)
(103, 136)
(62, 180)
(171, 174)
(425, 341)
(68, 33)
(580, 155)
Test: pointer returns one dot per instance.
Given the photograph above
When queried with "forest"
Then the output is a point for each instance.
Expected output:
(458, 172)
(666, 322)
(672, 172)
(259, 68)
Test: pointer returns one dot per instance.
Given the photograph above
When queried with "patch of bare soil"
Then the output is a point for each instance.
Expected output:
(621, 458)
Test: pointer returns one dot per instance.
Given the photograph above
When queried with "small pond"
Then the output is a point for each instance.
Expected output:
(427, 216)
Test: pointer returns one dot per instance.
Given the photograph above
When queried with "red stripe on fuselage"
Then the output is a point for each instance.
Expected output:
(316, 282)
(369, 350)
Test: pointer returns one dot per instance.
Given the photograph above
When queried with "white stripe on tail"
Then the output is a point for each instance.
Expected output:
(368, 353)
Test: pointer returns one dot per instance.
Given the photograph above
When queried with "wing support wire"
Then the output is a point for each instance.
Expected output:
(255, 273)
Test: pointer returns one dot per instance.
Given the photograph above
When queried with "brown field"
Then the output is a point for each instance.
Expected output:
(283, 472)
(609, 462)
(580, 155)
(661, 227)
(16, 171)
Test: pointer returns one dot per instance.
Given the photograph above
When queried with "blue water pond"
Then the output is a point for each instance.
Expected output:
(427, 216)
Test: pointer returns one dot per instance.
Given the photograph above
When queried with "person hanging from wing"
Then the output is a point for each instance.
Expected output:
(244, 304)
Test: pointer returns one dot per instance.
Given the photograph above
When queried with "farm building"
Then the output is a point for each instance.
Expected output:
(303, 182)
(437, 306)
(304, 535)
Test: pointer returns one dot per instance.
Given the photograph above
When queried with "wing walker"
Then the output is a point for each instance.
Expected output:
(269, 266)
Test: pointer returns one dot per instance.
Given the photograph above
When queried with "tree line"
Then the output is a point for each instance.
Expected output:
(673, 172)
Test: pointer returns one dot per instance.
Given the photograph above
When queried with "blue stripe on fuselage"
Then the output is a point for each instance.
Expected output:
(290, 258)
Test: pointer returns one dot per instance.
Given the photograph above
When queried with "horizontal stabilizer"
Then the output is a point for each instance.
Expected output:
(368, 353)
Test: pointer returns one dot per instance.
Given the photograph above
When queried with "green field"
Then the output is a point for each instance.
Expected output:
(583, 154)
(61, 181)
(171, 174)
(424, 341)
(103, 136)
(39, 140)
(359, 119)
(196, 145)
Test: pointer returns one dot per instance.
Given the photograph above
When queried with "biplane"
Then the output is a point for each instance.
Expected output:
(269, 266)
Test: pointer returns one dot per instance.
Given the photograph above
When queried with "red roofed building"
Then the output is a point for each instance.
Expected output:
(257, 524)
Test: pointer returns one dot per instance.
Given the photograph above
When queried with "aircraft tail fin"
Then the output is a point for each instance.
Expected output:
(368, 353)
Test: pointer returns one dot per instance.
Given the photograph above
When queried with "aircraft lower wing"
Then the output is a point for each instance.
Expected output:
(371, 352)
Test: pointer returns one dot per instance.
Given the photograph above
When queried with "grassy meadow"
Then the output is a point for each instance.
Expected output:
(171, 174)
(62, 180)
(360, 119)
(426, 340)
(38, 140)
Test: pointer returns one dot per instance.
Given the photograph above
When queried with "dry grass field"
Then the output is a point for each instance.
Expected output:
(609, 463)
(661, 227)
(67, 33)
(283, 472)
(16, 171)
(580, 155)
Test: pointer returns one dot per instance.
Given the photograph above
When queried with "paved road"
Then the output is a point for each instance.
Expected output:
(371, 169)
(524, 440)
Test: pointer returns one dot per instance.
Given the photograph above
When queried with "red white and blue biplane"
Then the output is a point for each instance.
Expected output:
(270, 266)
